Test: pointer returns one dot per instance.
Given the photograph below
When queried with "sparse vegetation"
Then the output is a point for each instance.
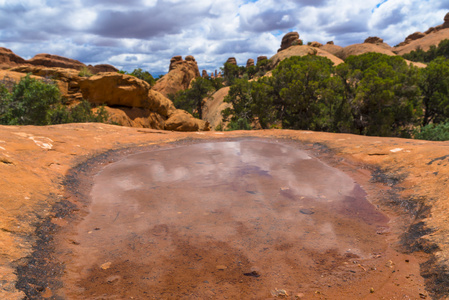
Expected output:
(35, 102)
(239, 124)
(191, 100)
(85, 72)
(141, 74)
(433, 132)
(419, 55)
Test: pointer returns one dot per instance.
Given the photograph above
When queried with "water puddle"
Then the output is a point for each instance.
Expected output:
(230, 220)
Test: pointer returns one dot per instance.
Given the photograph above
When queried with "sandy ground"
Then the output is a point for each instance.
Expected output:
(35, 160)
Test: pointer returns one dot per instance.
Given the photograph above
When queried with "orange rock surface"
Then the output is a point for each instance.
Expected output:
(34, 161)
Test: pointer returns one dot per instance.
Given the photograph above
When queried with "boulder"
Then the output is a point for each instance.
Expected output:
(181, 120)
(374, 40)
(115, 89)
(415, 36)
(316, 44)
(181, 74)
(8, 59)
(330, 43)
(134, 117)
(231, 61)
(250, 63)
(55, 61)
(288, 40)
(160, 104)
(102, 68)
(430, 30)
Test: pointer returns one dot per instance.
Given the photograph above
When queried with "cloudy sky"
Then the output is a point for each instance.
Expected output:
(147, 33)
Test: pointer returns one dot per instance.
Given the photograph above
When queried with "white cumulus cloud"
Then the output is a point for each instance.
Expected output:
(147, 33)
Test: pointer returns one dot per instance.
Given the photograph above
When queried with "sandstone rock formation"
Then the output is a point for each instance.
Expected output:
(55, 61)
(115, 89)
(374, 40)
(431, 39)
(432, 36)
(358, 49)
(330, 43)
(175, 61)
(214, 106)
(446, 21)
(415, 36)
(316, 44)
(8, 78)
(204, 74)
(261, 58)
(8, 59)
(232, 61)
(180, 75)
(181, 120)
(121, 90)
(135, 117)
(130, 101)
(301, 51)
(66, 79)
(290, 39)
(250, 63)
(102, 68)
(331, 48)
(160, 104)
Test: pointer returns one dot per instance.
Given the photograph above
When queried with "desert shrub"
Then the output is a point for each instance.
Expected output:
(29, 102)
(239, 124)
(230, 73)
(85, 72)
(141, 74)
(36, 102)
(433, 132)
(434, 85)
(80, 113)
(219, 127)
(382, 93)
(192, 100)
